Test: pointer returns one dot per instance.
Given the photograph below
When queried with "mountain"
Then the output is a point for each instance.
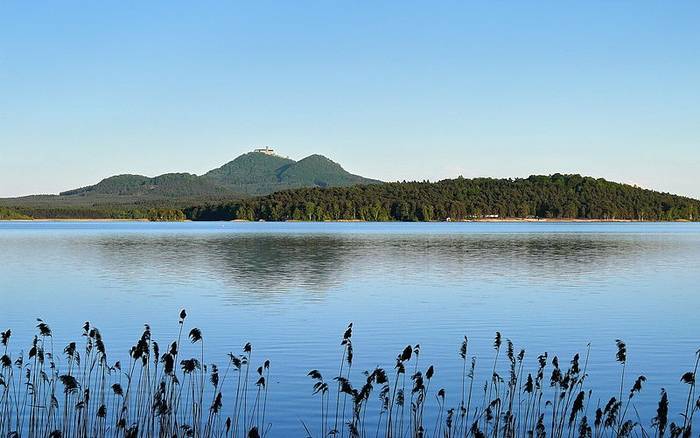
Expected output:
(254, 173)
(257, 173)
(551, 197)
(169, 185)
(251, 174)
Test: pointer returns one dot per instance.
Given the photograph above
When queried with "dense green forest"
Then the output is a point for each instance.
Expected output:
(555, 196)
(98, 212)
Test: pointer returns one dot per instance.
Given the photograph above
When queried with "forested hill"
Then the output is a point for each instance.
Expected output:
(253, 173)
(555, 196)
(129, 196)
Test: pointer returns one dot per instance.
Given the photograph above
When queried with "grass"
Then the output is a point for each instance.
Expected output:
(75, 391)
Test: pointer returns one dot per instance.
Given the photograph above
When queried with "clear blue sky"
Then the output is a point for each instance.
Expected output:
(391, 90)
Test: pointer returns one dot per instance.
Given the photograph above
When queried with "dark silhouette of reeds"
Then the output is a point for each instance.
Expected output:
(551, 401)
(77, 392)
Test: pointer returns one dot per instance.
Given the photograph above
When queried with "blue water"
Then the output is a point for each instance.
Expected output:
(291, 288)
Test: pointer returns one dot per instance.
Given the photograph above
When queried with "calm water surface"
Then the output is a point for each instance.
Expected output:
(290, 289)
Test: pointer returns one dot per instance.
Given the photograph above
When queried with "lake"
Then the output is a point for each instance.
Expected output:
(291, 289)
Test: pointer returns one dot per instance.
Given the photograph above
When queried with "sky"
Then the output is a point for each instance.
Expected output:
(400, 90)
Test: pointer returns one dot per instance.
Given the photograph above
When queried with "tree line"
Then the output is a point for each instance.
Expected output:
(554, 196)
(159, 214)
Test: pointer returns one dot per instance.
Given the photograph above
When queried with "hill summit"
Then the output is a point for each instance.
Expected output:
(258, 173)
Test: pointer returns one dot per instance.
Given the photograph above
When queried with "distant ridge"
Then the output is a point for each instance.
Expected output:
(251, 174)
(169, 185)
(262, 185)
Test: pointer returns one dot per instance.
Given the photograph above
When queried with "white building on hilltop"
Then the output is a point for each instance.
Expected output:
(266, 150)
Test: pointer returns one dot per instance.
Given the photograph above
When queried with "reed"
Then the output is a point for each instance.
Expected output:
(79, 392)
(514, 407)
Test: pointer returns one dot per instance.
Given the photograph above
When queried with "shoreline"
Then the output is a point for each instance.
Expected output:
(74, 220)
(484, 220)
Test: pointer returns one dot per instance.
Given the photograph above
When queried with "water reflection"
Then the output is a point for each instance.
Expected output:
(268, 264)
